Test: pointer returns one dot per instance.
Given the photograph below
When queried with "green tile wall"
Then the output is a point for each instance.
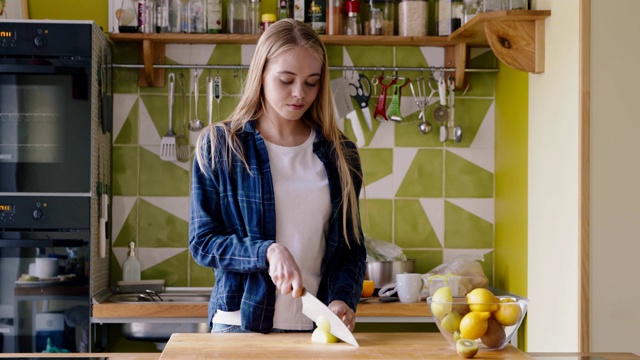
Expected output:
(434, 200)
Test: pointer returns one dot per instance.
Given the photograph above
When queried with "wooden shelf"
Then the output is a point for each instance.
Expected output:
(516, 37)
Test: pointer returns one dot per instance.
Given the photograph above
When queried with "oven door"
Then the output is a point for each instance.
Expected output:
(45, 125)
(37, 313)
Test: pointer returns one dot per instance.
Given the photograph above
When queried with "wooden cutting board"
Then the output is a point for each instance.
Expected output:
(299, 346)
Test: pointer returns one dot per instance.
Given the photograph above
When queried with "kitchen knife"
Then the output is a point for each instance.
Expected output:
(312, 308)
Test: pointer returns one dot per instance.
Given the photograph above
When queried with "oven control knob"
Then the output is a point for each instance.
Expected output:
(37, 214)
(40, 41)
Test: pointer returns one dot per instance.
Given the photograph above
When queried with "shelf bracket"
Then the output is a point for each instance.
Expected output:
(518, 44)
(458, 56)
(151, 53)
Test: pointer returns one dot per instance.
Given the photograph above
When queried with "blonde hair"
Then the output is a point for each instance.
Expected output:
(282, 36)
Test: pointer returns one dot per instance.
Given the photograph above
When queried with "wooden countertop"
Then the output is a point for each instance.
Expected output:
(110, 356)
(299, 346)
(368, 308)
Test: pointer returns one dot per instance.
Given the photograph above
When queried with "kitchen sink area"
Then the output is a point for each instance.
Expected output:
(149, 315)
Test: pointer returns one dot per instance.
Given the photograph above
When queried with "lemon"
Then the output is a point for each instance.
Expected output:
(451, 322)
(441, 302)
(367, 289)
(323, 337)
(481, 299)
(323, 323)
(508, 313)
(474, 325)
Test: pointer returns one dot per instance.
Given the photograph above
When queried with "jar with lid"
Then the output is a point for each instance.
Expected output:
(448, 16)
(413, 17)
(353, 25)
(387, 11)
(238, 17)
(267, 20)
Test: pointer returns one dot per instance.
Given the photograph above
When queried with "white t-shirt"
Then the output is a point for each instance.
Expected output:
(303, 208)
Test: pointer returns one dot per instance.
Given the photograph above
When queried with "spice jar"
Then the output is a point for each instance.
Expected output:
(267, 20)
(412, 17)
(387, 13)
(353, 25)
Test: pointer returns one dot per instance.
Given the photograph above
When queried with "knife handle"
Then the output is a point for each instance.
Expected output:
(389, 299)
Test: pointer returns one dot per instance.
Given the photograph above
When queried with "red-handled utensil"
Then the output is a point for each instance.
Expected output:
(380, 113)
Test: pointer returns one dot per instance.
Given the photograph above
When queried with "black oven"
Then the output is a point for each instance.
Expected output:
(54, 181)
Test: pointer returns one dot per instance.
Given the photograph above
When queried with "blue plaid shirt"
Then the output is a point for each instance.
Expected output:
(233, 223)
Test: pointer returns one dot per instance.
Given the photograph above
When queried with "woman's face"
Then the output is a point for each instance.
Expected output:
(291, 82)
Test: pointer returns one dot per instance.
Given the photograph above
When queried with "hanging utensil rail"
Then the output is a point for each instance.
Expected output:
(344, 68)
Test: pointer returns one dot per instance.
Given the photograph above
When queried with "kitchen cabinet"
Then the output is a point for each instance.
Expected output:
(515, 36)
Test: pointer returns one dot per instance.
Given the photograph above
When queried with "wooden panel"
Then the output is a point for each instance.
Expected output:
(514, 43)
(299, 346)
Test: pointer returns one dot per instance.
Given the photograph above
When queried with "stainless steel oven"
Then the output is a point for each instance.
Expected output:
(55, 119)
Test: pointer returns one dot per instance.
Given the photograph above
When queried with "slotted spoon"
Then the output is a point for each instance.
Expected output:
(168, 142)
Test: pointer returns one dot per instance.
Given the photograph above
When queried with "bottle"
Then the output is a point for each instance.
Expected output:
(255, 17)
(334, 17)
(285, 11)
(197, 16)
(376, 22)
(162, 16)
(353, 25)
(214, 16)
(131, 266)
(386, 17)
(146, 16)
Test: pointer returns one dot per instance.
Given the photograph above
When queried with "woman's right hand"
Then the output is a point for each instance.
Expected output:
(284, 271)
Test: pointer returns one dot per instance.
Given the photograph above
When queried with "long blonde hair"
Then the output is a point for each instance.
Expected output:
(280, 37)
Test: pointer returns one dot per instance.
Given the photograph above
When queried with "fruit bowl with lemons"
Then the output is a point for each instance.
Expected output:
(487, 320)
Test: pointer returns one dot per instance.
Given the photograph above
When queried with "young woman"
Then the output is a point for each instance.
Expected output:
(274, 201)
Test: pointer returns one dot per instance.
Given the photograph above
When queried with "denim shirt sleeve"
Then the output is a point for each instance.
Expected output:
(217, 234)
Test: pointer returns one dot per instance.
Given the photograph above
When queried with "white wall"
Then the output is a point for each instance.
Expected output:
(553, 185)
(615, 176)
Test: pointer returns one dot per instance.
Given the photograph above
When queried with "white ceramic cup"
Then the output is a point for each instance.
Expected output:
(46, 267)
(409, 286)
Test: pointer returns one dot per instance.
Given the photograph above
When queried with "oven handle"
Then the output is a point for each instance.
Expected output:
(13, 69)
(29, 243)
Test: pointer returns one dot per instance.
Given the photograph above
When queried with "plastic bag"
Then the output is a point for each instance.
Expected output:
(380, 250)
(467, 268)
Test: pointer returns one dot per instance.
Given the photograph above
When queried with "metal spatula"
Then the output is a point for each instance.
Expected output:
(168, 142)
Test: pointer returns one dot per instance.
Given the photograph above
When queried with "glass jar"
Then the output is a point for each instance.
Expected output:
(353, 25)
(175, 15)
(492, 5)
(449, 15)
(127, 16)
(238, 17)
(388, 14)
(334, 17)
(470, 9)
(146, 16)
(413, 17)
(255, 17)
(517, 5)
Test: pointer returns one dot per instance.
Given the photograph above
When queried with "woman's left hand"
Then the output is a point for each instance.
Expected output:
(344, 312)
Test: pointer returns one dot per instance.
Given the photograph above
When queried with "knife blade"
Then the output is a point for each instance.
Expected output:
(312, 308)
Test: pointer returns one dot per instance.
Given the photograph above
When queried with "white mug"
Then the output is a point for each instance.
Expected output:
(46, 267)
(409, 287)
